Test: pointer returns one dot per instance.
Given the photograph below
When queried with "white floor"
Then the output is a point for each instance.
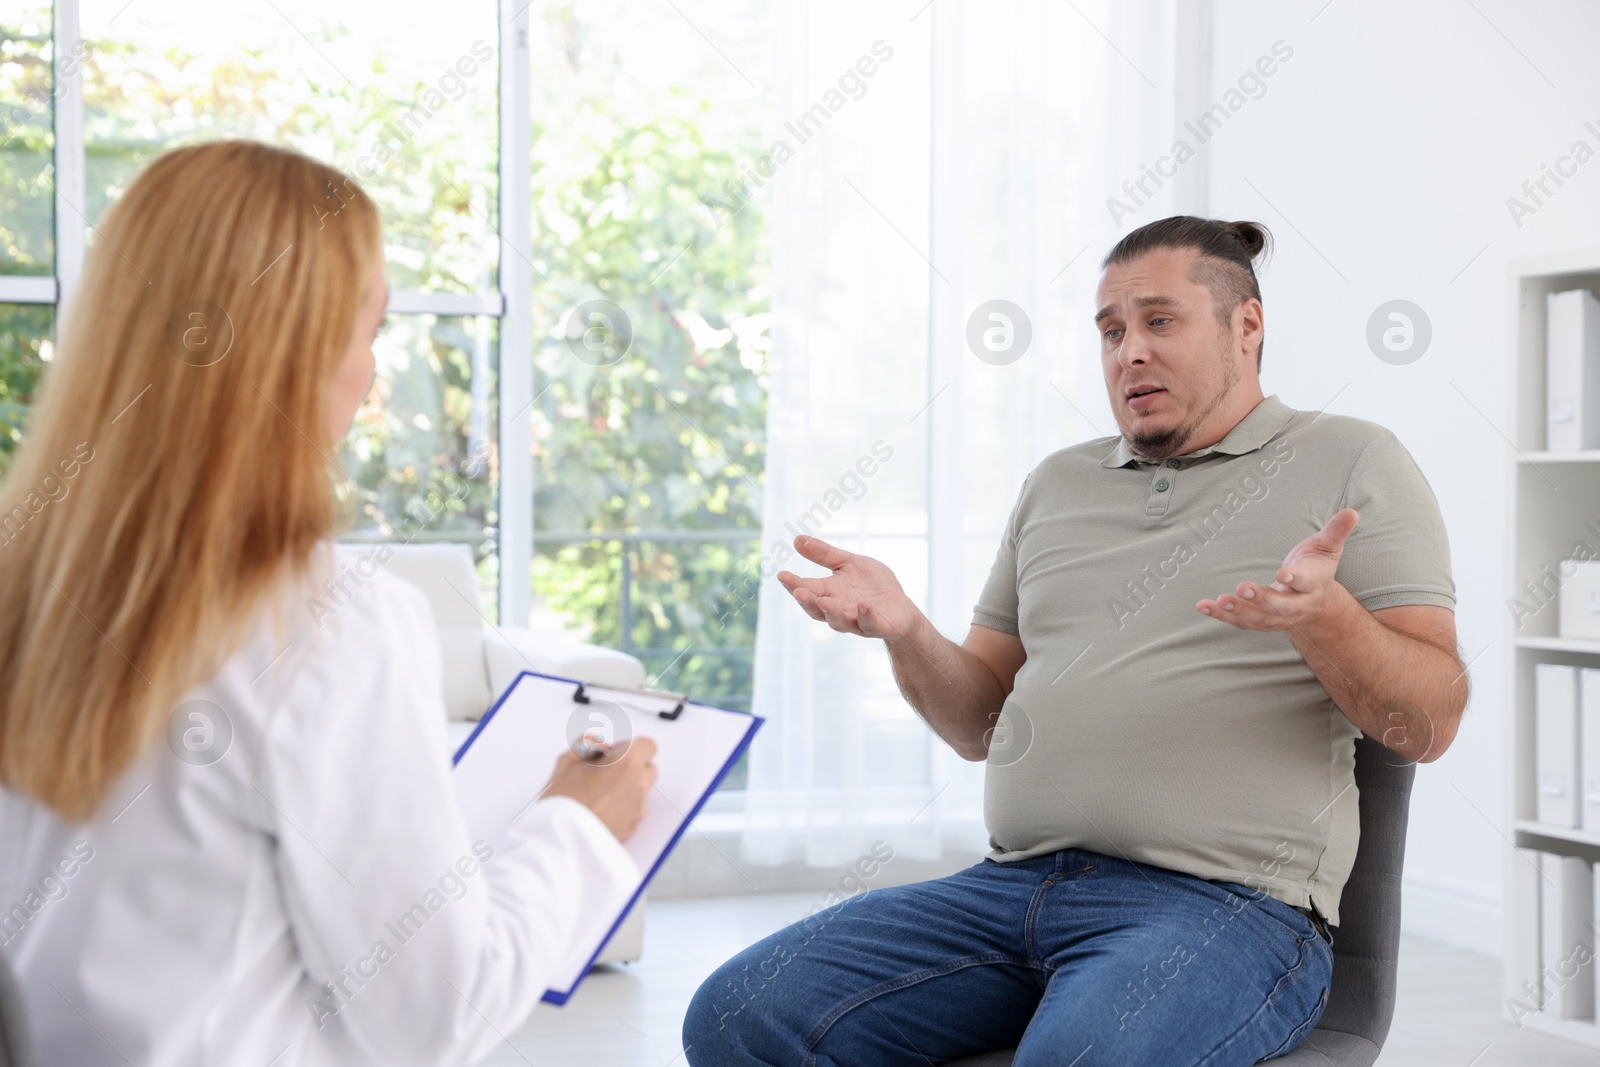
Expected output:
(630, 1016)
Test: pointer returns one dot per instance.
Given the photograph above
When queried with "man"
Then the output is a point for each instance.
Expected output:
(1184, 632)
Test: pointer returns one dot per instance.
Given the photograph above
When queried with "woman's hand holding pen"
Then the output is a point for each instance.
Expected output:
(615, 783)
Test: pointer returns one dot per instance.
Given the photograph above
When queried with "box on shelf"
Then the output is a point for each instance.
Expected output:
(1578, 610)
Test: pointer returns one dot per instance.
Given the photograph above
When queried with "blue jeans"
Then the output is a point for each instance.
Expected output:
(1077, 958)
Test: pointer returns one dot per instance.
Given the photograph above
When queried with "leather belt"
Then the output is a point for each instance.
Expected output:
(1316, 921)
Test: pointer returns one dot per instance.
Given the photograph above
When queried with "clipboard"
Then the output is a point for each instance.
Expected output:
(534, 721)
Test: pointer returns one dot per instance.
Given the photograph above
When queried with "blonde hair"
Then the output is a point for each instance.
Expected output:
(176, 469)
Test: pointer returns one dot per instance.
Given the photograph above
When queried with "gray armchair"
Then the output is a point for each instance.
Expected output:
(1367, 942)
(16, 1040)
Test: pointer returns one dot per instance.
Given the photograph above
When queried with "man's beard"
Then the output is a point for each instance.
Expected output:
(1164, 444)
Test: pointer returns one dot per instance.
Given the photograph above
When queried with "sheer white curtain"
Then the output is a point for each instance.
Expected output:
(966, 159)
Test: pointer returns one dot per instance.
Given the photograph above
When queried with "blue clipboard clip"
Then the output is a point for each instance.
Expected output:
(581, 696)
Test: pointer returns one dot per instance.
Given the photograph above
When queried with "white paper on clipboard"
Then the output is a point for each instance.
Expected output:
(501, 768)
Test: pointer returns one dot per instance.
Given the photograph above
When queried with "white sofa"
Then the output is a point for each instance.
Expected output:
(480, 661)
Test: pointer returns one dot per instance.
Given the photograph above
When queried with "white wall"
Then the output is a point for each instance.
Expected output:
(1382, 154)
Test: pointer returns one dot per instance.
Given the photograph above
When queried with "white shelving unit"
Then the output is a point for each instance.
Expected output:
(1552, 495)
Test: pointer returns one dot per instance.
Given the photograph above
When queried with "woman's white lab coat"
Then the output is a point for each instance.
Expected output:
(285, 878)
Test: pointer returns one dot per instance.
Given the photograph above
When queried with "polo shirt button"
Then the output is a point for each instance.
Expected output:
(1172, 463)
(1163, 485)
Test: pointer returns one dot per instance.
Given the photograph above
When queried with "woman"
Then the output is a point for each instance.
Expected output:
(228, 832)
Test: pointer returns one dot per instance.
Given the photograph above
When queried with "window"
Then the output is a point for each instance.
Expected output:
(408, 109)
(27, 245)
(27, 215)
(25, 332)
(405, 106)
(422, 449)
(651, 319)
(599, 299)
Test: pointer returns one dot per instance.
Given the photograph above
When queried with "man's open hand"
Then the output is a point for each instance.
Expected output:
(861, 596)
(1304, 585)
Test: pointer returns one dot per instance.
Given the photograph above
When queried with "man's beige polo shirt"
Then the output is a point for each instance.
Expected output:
(1140, 727)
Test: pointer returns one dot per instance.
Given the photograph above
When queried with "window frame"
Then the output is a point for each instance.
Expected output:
(509, 301)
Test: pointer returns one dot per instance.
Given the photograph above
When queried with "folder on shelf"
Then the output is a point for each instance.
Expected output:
(1572, 371)
(502, 767)
(1566, 917)
(1589, 743)
(1555, 699)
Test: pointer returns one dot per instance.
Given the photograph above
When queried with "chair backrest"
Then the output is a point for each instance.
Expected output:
(1366, 944)
(16, 1039)
(446, 576)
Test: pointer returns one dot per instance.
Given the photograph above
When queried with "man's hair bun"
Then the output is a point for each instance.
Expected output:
(1254, 236)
